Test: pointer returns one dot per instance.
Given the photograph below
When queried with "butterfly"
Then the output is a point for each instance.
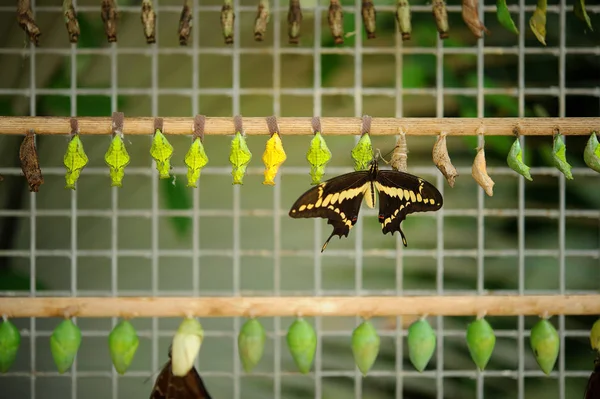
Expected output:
(339, 199)
(168, 386)
(592, 391)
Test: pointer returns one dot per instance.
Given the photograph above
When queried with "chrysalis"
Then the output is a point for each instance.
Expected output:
(273, 157)
(195, 159)
(504, 17)
(403, 18)
(559, 157)
(302, 343)
(318, 156)
(30, 163)
(470, 14)
(64, 344)
(479, 173)
(537, 22)
(362, 153)
(365, 346)
(515, 160)
(161, 150)
(595, 336)
(239, 157)
(10, 340)
(227, 19)
(123, 343)
(591, 154)
(441, 159)
(441, 17)
(480, 341)
(262, 20)
(251, 343)
(421, 344)
(368, 15)
(545, 344)
(149, 21)
(186, 345)
(117, 159)
(75, 160)
(581, 13)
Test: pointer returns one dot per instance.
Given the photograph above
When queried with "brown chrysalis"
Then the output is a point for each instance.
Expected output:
(30, 163)
(168, 386)
(592, 391)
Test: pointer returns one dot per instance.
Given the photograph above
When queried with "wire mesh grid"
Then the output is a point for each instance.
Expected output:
(99, 265)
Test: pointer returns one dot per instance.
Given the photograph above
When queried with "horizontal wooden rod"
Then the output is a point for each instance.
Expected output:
(132, 307)
(302, 126)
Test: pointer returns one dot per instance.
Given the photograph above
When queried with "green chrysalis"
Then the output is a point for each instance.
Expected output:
(251, 344)
(74, 160)
(365, 346)
(559, 158)
(318, 156)
(545, 344)
(362, 153)
(595, 336)
(504, 17)
(302, 343)
(581, 13)
(239, 157)
(64, 344)
(480, 341)
(117, 159)
(123, 343)
(10, 340)
(537, 22)
(161, 150)
(515, 160)
(591, 154)
(195, 159)
(421, 343)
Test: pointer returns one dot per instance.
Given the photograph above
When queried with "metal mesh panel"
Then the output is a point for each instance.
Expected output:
(239, 241)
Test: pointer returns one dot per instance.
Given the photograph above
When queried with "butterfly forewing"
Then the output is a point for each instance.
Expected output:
(168, 386)
(337, 200)
(400, 194)
(592, 391)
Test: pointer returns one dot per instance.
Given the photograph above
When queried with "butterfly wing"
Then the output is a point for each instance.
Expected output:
(400, 194)
(168, 386)
(592, 391)
(338, 200)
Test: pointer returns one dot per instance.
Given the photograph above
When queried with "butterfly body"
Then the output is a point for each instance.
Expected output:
(339, 199)
(169, 386)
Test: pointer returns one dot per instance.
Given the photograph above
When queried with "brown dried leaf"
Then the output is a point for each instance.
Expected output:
(400, 154)
(30, 163)
(441, 17)
(470, 14)
(294, 21)
(479, 173)
(441, 158)
(109, 17)
(335, 18)
(368, 15)
(149, 21)
(26, 21)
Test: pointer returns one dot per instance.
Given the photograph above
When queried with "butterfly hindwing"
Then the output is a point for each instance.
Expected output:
(168, 386)
(592, 390)
(400, 194)
(337, 200)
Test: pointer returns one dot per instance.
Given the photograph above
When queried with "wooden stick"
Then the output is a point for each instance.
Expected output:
(130, 307)
(302, 126)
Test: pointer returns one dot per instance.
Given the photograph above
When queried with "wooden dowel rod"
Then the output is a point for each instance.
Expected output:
(304, 306)
(302, 126)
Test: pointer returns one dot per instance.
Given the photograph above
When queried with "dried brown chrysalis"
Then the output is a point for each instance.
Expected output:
(149, 21)
(71, 21)
(30, 163)
(479, 173)
(26, 21)
(470, 14)
(294, 21)
(441, 159)
(335, 17)
(168, 386)
(441, 17)
(261, 21)
(227, 20)
(185, 23)
(110, 16)
(400, 154)
(368, 15)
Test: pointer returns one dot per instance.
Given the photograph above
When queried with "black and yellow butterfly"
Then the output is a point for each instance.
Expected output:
(169, 386)
(339, 199)
(592, 390)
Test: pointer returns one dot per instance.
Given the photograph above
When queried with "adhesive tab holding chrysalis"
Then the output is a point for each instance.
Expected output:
(318, 154)
(515, 160)
(116, 156)
(123, 342)
(240, 155)
(75, 158)
(559, 156)
(196, 157)
(10, 340)
(64, 344)
(362, 153)
(591, 154)
(161, 150)
(274, 155)
(186, 345)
